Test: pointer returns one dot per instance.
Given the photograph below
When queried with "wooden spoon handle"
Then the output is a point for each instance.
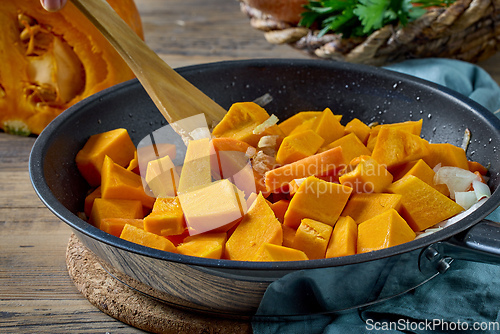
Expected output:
(173, 95)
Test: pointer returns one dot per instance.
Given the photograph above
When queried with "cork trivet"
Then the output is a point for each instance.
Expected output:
(127, 305)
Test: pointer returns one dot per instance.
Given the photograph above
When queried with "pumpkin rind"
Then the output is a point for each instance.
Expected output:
(50, 61)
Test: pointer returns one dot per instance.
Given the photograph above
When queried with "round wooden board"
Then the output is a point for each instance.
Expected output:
(132, 307)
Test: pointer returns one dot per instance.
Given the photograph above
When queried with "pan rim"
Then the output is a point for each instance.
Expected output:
(43, 191)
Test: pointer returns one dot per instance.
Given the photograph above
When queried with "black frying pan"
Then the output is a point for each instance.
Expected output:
(235, 288)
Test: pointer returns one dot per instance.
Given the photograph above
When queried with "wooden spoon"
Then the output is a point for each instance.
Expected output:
(173, 95)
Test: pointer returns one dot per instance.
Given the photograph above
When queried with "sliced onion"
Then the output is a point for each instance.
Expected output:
(481, 190)
(272, 120)
(465, 199)
(457, 179)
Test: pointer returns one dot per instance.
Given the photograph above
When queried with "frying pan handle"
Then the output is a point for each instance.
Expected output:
(480, 243)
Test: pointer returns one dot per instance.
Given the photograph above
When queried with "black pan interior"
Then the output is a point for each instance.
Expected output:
(371, 94)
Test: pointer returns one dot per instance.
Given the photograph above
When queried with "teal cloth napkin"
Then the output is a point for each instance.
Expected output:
(466, 299)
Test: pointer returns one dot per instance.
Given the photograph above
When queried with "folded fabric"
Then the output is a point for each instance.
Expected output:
(464, 299)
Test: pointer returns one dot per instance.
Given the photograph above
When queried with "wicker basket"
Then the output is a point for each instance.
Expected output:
(468, 30)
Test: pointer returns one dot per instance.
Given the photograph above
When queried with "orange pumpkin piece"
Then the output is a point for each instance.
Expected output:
(328, 126)
(279, 208)
(166, 218)
(385, 230)
(89, 200)
(318, 200)
(352, 147)
(365, 175)
(425, 173)
(216, 207)
(148, 239)
(475, 166)
(162, 177)
(271, 252)
(360, 129)
(413, 127)
(422, 205)
(323, 163)
(120, 183)
(288, 236)
(148, 151)
(292, 122)
(312, 237)
(207, 245)
(114, 226)
(50, 61)
(114, 208)
(344, 238)
(395, 147)
(229, 160)
(115, 143)
(447, 155)
(362, 207)
(196, 169)
(298, 146)
(257, 227)
(240, 122)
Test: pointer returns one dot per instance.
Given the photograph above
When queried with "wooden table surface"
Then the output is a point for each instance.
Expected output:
(36, 293)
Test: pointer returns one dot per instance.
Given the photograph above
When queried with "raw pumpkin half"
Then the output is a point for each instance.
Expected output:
(50, 61)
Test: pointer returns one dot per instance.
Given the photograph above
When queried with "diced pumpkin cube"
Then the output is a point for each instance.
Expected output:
(241, 120)
(422, 205)
(271, 252)
(148, 150)
(289, 124)
(328, 126)
(114, 226)
(425, 173)
(365, 175)
(298, 146)
(323, 163)
(89, 200)
(207, 245)
(317, 199)
(396, 147)
(114, 208)
(148, 239)
(360, 129)
(229, 160)
(288, 236)
(312, 237)
(344, 238)
(307, 125)
(413, 127)
(352, 147)
(279, 208)
(162, 177)
(119, 183)
(166, 218)
(115, 143)
(215, 207)
(195, 171)
(257, 227)
(446, 155)
(362, 207)
(386, 230)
